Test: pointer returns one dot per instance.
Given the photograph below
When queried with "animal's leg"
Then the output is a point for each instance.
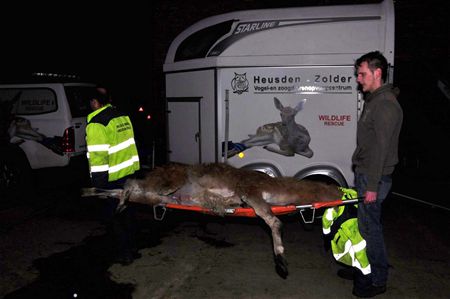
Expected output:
(258, 140)
(262, 209)
(283, 146)
(307, 153)
(288, 153)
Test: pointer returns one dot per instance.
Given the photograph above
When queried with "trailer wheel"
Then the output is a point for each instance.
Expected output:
(16, 179)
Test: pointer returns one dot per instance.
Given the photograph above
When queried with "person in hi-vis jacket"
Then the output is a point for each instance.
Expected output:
(113, 158)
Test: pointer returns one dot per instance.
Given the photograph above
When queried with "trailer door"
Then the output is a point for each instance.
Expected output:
(184, 130)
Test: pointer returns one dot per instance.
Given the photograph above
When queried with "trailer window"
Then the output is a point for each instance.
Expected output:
(198, 44)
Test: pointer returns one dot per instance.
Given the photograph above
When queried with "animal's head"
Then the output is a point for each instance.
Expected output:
(23, 123)
(239, 83)
(240, 77)
(140, 191)
(156, 187)
(131, 186)
(288, 113)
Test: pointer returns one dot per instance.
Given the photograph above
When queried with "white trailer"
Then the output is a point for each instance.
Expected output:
(229, 77)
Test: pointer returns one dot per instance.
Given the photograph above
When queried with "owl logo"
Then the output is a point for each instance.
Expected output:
(239, 83)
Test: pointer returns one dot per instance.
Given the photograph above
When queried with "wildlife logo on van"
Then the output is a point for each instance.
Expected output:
(239, 83)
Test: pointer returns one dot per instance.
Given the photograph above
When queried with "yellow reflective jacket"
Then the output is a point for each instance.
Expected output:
(111, 146)
(348, 245)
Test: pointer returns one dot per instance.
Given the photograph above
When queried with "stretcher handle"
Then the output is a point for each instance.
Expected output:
(327, 204)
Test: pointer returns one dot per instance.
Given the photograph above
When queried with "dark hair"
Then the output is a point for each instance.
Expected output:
(101, 95)
(374, 61)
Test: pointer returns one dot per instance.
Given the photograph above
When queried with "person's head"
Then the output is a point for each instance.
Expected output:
(100, 98)
(371, 71)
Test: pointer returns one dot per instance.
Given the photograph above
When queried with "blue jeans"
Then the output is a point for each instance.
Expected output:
(371, 229)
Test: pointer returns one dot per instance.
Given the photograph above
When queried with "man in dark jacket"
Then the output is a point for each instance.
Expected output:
(374, 160)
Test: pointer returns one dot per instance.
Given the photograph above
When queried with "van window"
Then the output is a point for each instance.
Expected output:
(78, 98)
(29, 101)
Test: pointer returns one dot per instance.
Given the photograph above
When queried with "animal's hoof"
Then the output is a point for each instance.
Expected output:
(120, 208)
(281, 266)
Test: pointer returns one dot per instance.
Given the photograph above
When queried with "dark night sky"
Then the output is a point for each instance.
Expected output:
(82, 39)
(123, 45)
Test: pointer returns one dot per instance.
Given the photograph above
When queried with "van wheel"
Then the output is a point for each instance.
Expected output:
(16, 179)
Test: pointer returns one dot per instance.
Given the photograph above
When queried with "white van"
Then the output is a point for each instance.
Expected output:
(229, 77)
(48, 122)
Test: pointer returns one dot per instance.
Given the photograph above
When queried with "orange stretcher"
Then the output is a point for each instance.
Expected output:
(249, 212)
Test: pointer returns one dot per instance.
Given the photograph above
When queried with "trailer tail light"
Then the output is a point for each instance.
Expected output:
(68, 140)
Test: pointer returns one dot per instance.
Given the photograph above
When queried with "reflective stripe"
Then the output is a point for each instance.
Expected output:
(327, 221)
(121, 146)
(98, 148)
(360, 246)
(356, 264)
(329, 214)
(366, 270)
(99, 168)
(348, 245)
(124, 164)
(350, 249)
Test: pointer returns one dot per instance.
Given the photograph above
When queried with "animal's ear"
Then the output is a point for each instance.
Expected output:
(278, 104)
(300, 105)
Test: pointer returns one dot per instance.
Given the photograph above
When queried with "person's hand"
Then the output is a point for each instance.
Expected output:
(370, 197)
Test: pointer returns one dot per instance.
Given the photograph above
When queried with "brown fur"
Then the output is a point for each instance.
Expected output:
(177, 183)
(219, 186)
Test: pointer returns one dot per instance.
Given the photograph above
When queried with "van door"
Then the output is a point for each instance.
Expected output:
(184, 140)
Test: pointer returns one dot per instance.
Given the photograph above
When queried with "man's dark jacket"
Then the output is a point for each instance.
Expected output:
(378, 133)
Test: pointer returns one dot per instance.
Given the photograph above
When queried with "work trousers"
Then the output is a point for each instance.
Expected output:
(121, 226)
(371, 229)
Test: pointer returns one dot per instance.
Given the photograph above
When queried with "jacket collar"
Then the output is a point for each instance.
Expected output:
(379, 90)
(94, 113)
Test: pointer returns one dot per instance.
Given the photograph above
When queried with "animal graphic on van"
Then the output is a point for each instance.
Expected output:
(21, 128)
(239, 83)
(290, 137)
